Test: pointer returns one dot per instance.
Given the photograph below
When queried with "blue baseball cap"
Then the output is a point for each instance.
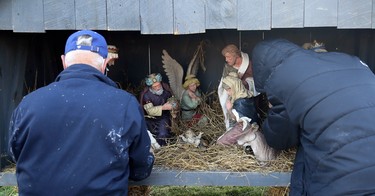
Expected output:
(98, 43)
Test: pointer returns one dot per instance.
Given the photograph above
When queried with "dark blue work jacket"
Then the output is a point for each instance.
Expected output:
(325, 104)
(80, 135)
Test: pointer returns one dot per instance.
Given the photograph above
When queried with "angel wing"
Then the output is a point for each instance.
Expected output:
(198, 59)
(175, 73)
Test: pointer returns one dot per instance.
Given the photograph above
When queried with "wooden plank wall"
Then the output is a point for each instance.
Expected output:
(123, 14)
(156, 16)
(184, 16)
(91, 14)
(320, 13)
(188, 21)
(26, 16)
(287, 13)
(58, 15)
(354, 14)
(221, 14)
(5, 15)
(254, 14)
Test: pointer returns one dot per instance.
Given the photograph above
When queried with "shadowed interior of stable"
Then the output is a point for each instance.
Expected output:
(32, 60)
(141, 54)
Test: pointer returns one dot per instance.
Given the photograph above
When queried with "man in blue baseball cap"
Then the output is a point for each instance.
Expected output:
(86, 45)
(80, 135)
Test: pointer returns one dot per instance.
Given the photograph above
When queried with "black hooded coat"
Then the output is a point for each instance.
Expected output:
(324, 103)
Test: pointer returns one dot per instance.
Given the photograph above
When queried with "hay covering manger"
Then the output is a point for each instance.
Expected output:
(212, 157)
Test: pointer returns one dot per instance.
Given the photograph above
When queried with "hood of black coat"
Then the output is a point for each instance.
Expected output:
(266, 56)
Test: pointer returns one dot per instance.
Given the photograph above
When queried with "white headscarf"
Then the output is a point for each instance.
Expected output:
(238, 89)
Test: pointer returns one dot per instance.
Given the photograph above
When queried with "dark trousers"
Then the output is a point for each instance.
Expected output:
(161, 128)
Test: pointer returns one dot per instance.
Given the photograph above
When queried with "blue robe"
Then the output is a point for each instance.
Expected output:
(158, 125)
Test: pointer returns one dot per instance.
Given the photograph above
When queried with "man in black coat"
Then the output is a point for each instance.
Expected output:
(324, 103)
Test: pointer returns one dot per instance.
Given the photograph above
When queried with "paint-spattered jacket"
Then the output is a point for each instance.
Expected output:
(80, 135)
(325, 104)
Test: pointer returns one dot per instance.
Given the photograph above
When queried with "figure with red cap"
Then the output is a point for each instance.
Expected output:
(81, 134)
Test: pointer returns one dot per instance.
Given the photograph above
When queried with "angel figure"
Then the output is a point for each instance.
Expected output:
(187, 93)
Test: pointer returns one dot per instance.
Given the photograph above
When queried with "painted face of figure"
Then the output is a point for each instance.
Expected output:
(193, 87)
(229, 91)
(230, 58)
(190, 134)
(157, 88)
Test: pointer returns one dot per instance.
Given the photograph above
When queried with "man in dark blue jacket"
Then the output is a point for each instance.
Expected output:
(324, 103)
(80, 135)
